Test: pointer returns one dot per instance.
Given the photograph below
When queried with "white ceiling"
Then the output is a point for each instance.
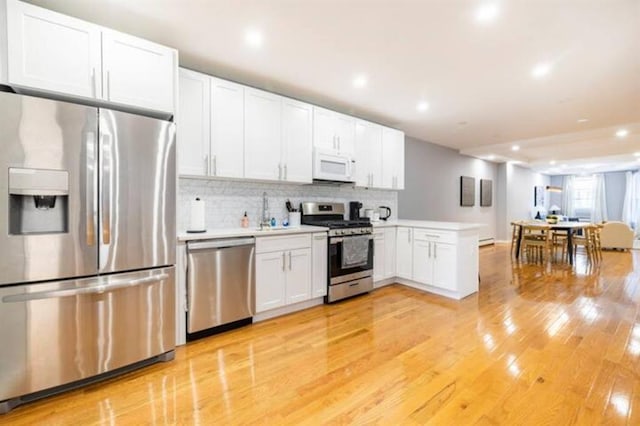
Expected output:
(475, 77)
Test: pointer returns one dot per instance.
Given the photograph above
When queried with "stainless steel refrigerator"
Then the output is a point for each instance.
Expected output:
(87, 244)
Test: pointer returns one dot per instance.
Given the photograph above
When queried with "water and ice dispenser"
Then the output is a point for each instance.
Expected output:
(38, 201)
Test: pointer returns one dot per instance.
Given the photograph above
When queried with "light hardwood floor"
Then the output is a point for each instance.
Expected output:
(537, 345)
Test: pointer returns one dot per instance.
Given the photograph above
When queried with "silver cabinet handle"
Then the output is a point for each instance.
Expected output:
(435, 250)
(108, 85)
(215, 165)
(206, 164)
(96, 289)
(279, 171)
(94, 89)
(283, 261)
(290, 263)
(409, 235)
(432, 236)
(429, 250)
(285, 172)
(91, 201)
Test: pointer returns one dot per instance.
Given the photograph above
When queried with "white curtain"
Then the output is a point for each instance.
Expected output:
(599, 207)
(631, 205)
(567, 197)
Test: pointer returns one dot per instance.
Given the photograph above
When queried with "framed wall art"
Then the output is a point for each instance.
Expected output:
(486, 192)
(467, 191)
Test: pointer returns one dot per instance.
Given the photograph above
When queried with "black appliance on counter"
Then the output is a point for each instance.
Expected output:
(350, 257)
(354, 210)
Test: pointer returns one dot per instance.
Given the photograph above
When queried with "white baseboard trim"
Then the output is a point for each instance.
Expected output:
(486, 241)
(382, 283)
(284, 310)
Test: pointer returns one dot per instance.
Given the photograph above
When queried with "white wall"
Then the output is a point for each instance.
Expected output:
(432, 186)
(518, 186)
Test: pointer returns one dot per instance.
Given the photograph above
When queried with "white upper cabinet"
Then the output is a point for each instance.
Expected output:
(193, 124)
(368, 154)
(296, 149)
(262, 135)
(392, 158)
(333, 131)
(52, 52)
(48, 52)
(227, 129)
(137, 72)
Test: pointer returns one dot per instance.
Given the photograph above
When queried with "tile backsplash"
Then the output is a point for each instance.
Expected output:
(226, 201)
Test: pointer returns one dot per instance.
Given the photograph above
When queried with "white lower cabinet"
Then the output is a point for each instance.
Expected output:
(283, 271)
(404, 252)
(319, 267)
(384, 253)
(435, 263)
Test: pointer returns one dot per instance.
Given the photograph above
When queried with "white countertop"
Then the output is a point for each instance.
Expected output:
(248, 232)
(447, 226)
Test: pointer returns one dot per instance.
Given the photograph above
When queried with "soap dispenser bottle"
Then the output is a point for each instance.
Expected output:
(245, 221)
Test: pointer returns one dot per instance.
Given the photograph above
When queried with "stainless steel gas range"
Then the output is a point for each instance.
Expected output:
(350, 259)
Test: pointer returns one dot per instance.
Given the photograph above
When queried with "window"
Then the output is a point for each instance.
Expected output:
(583, 196)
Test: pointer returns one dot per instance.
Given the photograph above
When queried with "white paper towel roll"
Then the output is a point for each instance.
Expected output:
(196, 222)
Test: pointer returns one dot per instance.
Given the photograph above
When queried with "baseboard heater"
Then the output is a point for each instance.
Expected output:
(486, 241)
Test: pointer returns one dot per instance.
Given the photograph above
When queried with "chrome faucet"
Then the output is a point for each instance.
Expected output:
(266, 221)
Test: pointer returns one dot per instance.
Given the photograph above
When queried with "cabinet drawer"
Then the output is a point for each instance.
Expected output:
(434, 235)
(281, 243)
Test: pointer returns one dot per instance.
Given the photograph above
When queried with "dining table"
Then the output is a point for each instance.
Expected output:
(568, 227)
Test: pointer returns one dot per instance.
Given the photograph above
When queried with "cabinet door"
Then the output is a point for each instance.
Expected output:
(422, 261)
(137, 72)
(324, 136)
(389, 252)
(270, 280)
(345, 130)
(227, 129)
(379, 252)
(319, 265)
(368, 154)
(298, 275)
(392, 159)
(404, 253)
(262, 135)
(444, 270)
(297, 133)
(193, 124)
(52, 52)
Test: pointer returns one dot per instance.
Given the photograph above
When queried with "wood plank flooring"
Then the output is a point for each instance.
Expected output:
(537, 345)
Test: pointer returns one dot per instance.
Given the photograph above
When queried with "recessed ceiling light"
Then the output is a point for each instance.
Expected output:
(253, 38)
(582, 120)
(515, 148)
(637, 154)
(622, 133)
(541, 70)
(552, 162)
(422, 106)
(487, 12)
(360, 81)
(491, 157)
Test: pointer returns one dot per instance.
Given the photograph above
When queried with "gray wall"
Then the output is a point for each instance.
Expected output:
(432, 186)
(615, 186)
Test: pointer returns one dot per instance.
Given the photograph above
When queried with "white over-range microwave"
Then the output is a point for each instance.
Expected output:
(329, 166)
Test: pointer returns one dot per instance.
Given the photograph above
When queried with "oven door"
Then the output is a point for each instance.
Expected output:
(338, 274)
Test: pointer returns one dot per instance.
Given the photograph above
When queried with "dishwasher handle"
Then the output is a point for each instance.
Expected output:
(221, 243)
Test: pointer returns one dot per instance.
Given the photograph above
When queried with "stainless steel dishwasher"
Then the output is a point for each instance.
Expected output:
(220, 284)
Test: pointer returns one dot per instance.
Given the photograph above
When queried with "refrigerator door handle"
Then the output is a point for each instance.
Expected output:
(91, 198)
(97, 289)
(105, 166)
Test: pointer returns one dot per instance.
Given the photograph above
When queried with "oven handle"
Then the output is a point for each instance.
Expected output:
(336, 240)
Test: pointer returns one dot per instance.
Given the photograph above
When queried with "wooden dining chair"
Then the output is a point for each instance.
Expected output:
(536, 241)
(515, 228)
(590, 241)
